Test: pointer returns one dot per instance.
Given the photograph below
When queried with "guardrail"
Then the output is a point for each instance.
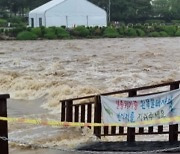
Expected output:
(88, 109)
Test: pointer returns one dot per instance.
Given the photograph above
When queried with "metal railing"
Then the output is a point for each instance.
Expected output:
(89, 111)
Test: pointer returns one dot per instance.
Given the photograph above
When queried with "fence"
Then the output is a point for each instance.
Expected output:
(88, 109)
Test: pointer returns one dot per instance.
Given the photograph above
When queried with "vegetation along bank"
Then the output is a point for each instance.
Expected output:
(137, 30)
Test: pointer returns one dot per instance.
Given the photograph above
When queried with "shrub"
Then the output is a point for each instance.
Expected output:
(149, 29)
(138, 26)
(121, 30)
(3, 14)
(43, 30)
(7, 32)
(3, 23)
(175, 21)
(130, 25)
(62, 33)
(1, 31)
(15, 31)
(50, 33)
(140, 32)
(146, 24)
(96, 31)
(131, 32)
(158, 28)
(163, 34)
(103, 28)
(170, 30)
(155, 21)
(20, 24)
(80, 31)
(111, 32)
(37, 31)
(26, 35)
(17, 21)
(177, 33)
(63, 26)
(122, 23)
(154, 34)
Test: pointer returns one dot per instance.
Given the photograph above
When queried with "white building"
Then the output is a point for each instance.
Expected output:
(68, 13)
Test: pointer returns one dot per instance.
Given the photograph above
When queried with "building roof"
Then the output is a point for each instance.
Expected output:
(46, 6)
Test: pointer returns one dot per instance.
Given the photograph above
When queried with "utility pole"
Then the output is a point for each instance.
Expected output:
(109, 11)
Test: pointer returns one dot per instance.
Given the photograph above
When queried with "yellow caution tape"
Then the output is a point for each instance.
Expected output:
(170, 120)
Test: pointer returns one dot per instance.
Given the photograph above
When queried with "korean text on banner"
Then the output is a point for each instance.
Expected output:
(141, 111)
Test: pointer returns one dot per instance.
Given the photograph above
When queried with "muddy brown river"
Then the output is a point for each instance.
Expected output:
(37, 74)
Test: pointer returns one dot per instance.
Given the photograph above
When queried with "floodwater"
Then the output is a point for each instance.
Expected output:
(37, 74)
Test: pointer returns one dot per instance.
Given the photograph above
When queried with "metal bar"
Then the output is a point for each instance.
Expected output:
(150, 130)
(106, 130)
(113, 130)
(82, 113)
(152, 93)
(89, 113)
(4, 96)
(131, 131)
(160, 129)
(128, 90)
(3, 124)
(173, 129)
(76, 114)
(141, 130)
(87, 103)
(173, 133)
(69, 111)
(121, 130)
(63, 110)
(97, 116)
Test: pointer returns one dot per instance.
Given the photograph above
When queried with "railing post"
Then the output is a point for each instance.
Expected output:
(83, 113)
(89, 114)
(63, 111)
(69, 110)
(173, 129)
(3, 124)
(131, 131)
(76, 113)
(97, 116)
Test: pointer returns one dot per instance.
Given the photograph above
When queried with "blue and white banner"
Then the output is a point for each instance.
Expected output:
(141, 110)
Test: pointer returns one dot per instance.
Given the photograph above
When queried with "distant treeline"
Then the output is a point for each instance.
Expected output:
(126, 11)
(18, 7)
(137, 30)
(133, 11)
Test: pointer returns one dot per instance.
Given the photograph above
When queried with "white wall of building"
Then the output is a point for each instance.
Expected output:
(69, 13)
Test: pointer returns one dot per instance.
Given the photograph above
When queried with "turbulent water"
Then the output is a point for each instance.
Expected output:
(38, 74)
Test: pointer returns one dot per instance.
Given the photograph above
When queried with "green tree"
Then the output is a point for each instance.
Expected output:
(161, 9)
(20, 6)
(166, 9)
(175, 9)
(127, 10)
